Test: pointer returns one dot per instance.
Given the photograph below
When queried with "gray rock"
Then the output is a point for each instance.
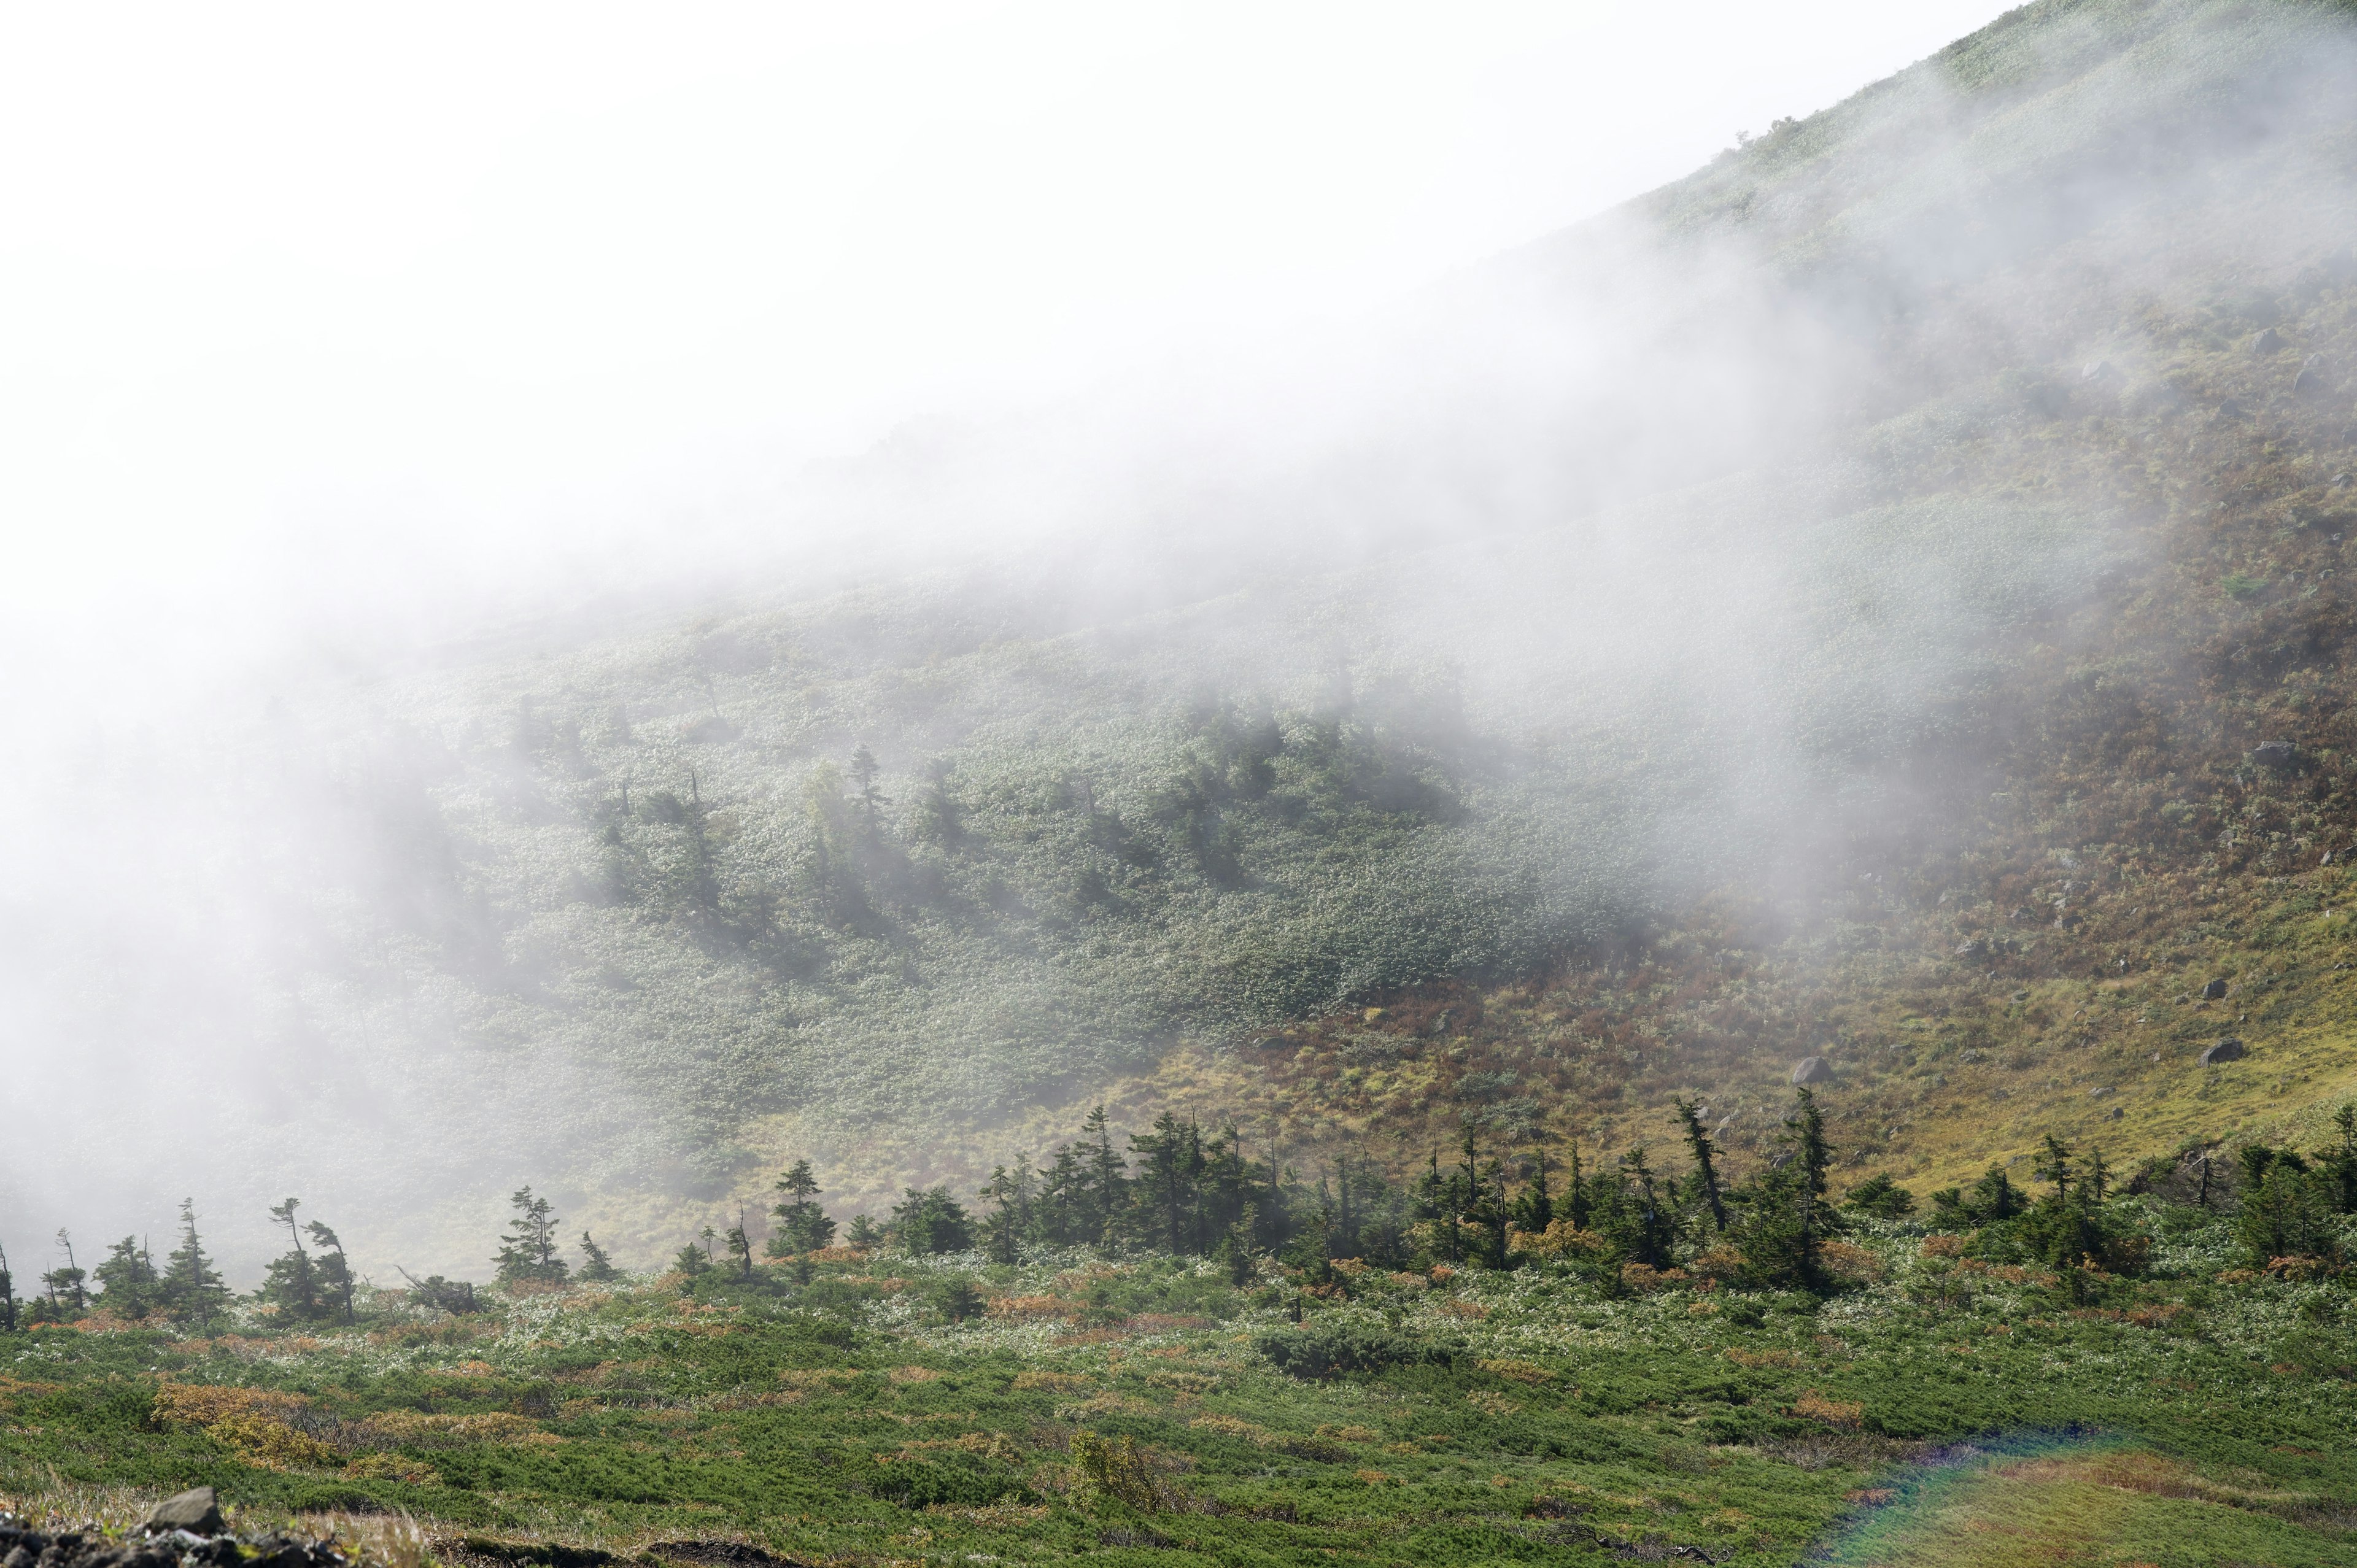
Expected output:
(196, 1510)
(2214, 991)
(2274, 754)
(2227, 1050)
(2267, 342)
(1812, 1069)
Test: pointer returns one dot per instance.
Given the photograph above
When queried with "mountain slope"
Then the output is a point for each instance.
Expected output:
(1794, 615)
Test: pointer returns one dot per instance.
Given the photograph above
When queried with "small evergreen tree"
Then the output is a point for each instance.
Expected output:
(1704, 1180)
(803, 1225)
(528, 1251)
(864, 790)
(1107, 1178)
(128, 1284)
(1534, 1210)
(67, 1281)
(1010, 1195)
(597, 1268)
(290, 1283)
(335, 1281)
(1880, 1195)
(740, 1246)
(7, 1296)
(192, 1287)
(2339, 1162)
(2288, 1215)
(692, 1262)
(929, 1220)
(864, 1234)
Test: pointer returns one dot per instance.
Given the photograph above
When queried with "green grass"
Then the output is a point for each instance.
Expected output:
(844, 1422)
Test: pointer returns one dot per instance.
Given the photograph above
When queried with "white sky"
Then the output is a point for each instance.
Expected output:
(418, 279)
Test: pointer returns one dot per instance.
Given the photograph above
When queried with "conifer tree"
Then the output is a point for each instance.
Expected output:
(528, 1251)
(2339, 1162)
(7, 1296)
(1010, 1195)
(335, 1269)
(1534, 1210)
(290, 1282)
(127, 1281)
(2054, 1165)
(191, 1285)
(1705, 1165)
(596, 1267)
(803, 1225)
(1650, 1229)
(1107, 1175)
(1582, 1211)
(740, 1246)
(67, 1281)
(864, 788)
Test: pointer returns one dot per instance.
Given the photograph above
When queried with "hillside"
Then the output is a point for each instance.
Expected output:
(1933, 508)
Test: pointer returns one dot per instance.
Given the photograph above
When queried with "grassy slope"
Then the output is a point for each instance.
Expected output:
(844, 1422)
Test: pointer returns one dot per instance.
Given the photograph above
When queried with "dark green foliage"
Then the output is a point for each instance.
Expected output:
(1323, 1348)
(128, 1283)
(66, 1282)
(1994, 1198)
(335, 1270)
(2289, 1213)
(950, 1480)
(292, 1285)
(454, 1297)
(931, 1221)
(1880, 1197)
(957, 1300)
(192, 1286)
(596, 1268)
(529, 1249)
(803, 1225)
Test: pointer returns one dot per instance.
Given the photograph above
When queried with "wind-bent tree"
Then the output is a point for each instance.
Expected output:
(597, 1268)
(292, 1285)
(67, 1281)
(335, 1270)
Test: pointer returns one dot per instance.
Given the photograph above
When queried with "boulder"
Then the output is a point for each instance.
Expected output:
(2275, 754)
(2214, 991)
(2267, 341)
(2228, 1050)
(196, 1510)
(1812, 1069)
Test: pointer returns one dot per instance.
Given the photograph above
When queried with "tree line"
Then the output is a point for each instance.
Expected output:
(312, 1282)
(1179, 1189)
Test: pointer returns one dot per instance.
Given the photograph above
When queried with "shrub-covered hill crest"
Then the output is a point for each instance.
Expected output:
(1956, 743)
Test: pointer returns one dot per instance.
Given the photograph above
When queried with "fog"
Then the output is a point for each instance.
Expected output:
(410, 447)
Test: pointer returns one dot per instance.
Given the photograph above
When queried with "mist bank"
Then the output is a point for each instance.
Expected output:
(1687, 551)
